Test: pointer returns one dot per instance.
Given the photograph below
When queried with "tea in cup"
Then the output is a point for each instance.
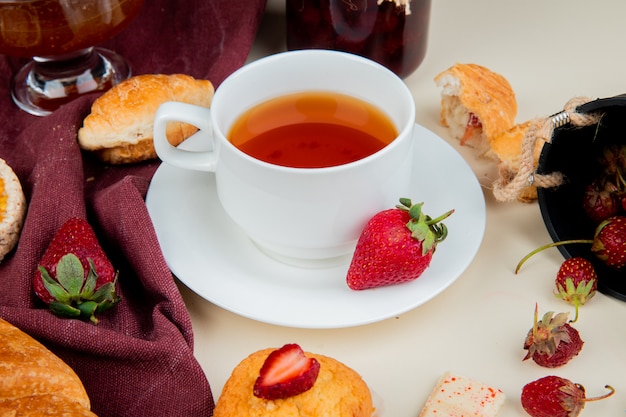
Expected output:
(306, 147)
(312, 129)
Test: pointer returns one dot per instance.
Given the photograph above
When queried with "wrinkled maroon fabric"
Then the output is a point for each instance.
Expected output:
(138, 360)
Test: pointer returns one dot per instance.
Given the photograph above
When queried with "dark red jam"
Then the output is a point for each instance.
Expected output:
(393, 33)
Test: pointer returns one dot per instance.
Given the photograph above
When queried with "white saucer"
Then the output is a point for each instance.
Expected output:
(216, 260)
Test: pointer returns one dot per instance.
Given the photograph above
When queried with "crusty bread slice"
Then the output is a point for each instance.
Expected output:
(119, 128)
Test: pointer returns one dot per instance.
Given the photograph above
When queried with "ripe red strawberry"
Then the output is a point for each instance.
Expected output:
(553, 396)
(608, 243)
(395, 246)
(599, 202)
(285, 373)
(552, 342)
(613, 161)
(576, 282)
(75, 277)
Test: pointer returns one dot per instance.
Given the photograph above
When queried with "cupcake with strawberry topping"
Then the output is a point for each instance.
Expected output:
(290, 382)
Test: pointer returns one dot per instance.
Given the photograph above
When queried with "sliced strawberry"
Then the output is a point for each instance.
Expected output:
(285, 373)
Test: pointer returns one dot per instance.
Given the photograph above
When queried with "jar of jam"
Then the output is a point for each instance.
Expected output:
(391, 32)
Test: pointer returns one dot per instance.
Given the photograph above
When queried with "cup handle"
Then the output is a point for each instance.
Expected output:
(189, 113)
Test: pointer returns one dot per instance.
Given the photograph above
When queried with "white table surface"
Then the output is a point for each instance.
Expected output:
(550, 51)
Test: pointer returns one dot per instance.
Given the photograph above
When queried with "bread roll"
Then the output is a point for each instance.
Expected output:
(338, 391)
(12, 209)
(119, 127)
(35, 382)
(476, 104)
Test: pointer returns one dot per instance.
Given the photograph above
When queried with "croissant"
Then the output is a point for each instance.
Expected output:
(36, 383)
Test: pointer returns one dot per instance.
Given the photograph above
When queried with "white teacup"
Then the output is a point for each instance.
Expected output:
(299, 215)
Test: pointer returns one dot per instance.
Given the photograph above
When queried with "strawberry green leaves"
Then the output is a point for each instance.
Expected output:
(75, 277)
(576, 282)
(423, 228)
(73, 294)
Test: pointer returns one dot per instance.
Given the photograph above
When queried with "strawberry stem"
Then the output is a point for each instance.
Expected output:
(423, 227)
(576, 305)
(621, 182)
(445, 215)
(607, 395)
(536, 320)
(550, 245)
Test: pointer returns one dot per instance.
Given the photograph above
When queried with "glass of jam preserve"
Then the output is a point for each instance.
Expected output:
(391, 32)
(59, 36)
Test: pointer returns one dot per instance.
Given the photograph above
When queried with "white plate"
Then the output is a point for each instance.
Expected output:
(215, 259)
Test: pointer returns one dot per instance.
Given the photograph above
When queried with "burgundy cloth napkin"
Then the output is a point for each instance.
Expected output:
(138, 361)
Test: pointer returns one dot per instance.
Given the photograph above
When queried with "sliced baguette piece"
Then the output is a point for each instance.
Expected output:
(119, 128)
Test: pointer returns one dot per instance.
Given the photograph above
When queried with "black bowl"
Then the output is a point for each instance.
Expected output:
(574, 151)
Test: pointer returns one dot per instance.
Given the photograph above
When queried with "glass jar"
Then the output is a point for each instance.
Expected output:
(391, 32)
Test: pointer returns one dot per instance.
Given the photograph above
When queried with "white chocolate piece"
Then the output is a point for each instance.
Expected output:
(457, 396)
